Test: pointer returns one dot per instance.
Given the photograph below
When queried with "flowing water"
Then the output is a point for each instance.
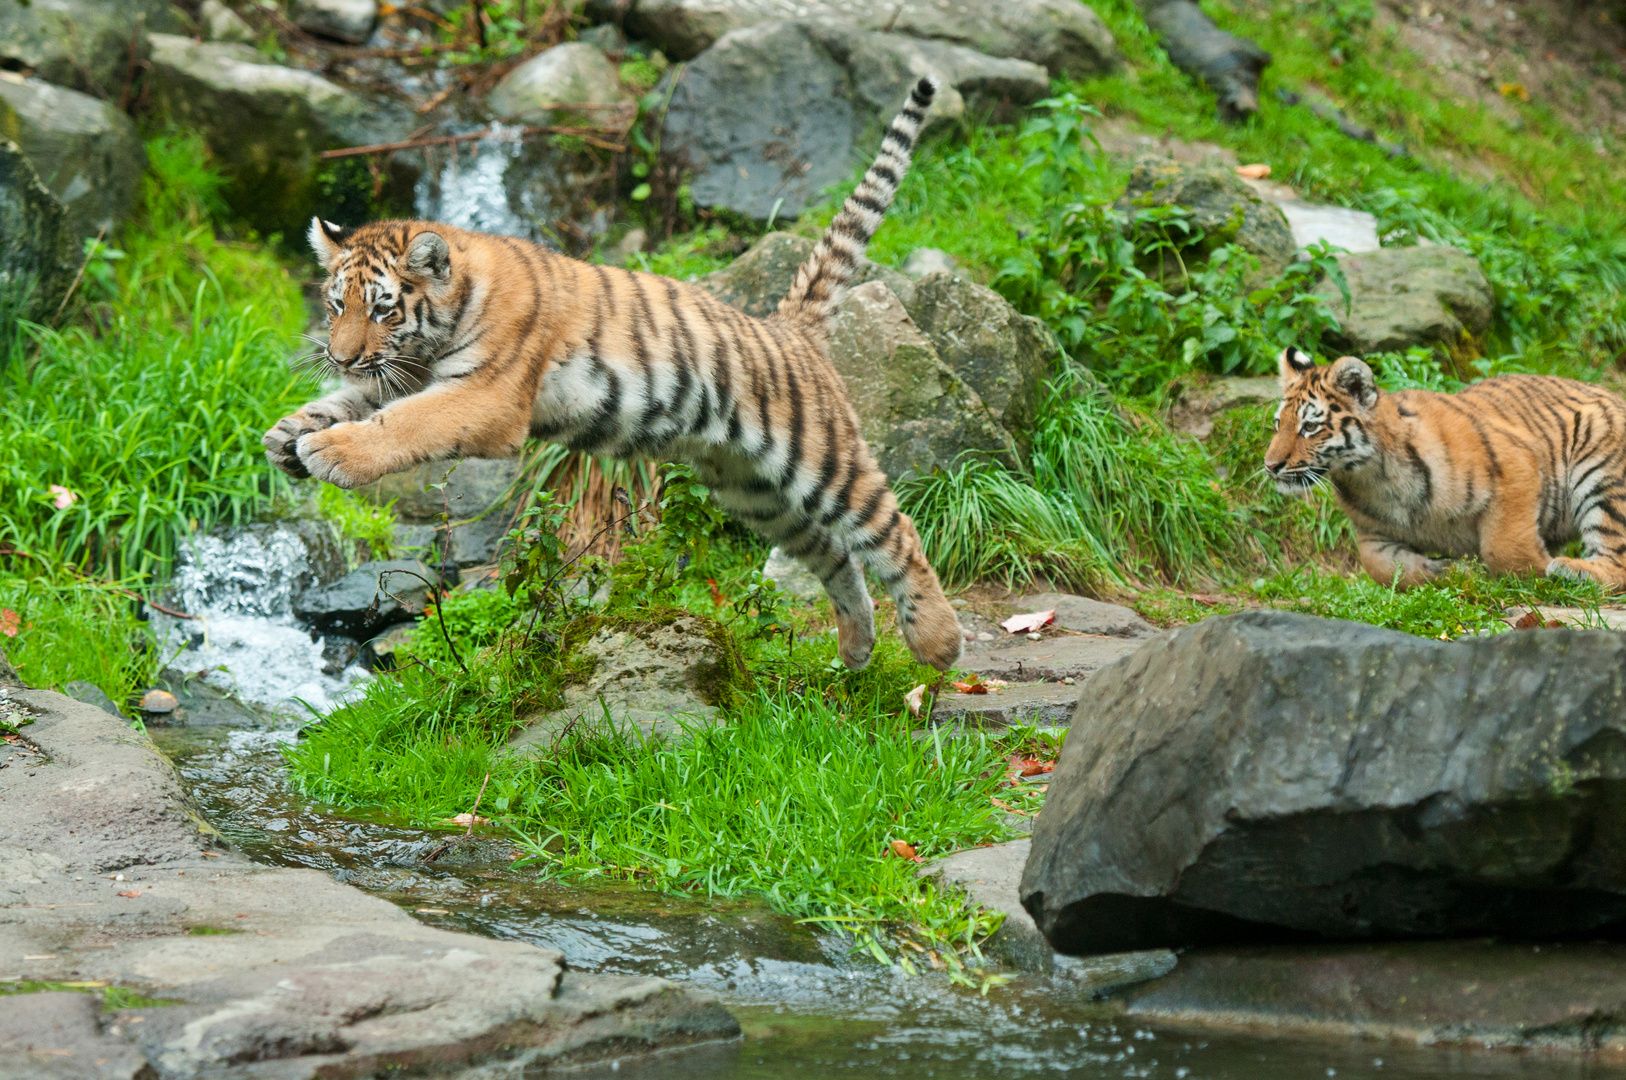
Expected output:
(807, 1008)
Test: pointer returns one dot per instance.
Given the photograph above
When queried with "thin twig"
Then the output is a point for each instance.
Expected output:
(474, 815)
(438, 614)
(77, 277)
(587, 134)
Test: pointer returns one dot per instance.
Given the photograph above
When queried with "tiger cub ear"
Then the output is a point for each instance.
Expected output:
(429, 256)
(327, 241)
(1293, 363)
(1354, 378)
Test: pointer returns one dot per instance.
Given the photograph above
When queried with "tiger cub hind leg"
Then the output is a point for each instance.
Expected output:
(892, 552)
(1607, 569)
(843, 581)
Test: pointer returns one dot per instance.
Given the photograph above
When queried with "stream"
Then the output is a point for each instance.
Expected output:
(808, 1009)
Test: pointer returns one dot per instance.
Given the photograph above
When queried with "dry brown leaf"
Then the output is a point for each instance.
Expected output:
(1253, 172)
(133, 893)
(904, 850)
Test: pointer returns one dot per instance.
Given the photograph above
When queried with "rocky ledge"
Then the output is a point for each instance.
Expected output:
(107, 877)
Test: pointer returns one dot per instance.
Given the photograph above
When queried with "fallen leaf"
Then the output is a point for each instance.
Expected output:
(1008, 808)
(1530, 620)
(1034, 768)
(1022, 624)
(913, 699)
(10, 622)
(1205, 599)
(972, 685)
(1253, 172)
(717, 598)
(133, 893)
(1514, 91)
(470, 819)
(904, 850)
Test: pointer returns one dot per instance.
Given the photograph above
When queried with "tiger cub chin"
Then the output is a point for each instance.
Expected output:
(1510, 469)
(455, 344)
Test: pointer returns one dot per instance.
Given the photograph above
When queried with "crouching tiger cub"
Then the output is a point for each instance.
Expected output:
(455, 344)
(1510, 469)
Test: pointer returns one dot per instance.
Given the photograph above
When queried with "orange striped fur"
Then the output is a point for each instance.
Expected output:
(455, 344)
(1510, 469)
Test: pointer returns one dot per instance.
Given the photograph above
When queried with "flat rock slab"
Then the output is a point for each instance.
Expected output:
(1611, 618)
(1041, 704)
(106, 876)
(990, 876)
(1475, 992)
(1087, 616)
(1016, 659)
(59, 1036)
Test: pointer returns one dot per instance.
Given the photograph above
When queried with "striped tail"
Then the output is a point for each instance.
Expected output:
(823, 278)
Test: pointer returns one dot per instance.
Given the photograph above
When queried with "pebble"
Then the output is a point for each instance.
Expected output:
(1035, 637)
(1069, 681)
(158, 701)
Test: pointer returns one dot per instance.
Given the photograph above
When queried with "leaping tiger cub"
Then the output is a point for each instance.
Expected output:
(456, 344)
(1510, 469)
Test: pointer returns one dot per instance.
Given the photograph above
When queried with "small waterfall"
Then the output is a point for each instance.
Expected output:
(471, 190)
(244, 641)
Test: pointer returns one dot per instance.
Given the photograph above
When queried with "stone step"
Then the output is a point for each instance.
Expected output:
(1057, 656)
(1042, 704)
(991, 876)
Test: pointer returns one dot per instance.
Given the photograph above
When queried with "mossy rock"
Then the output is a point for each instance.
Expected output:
(36, 256)
(650, 672)
(1222, 205)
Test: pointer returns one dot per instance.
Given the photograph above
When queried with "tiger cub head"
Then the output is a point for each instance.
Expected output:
(383, 292)
(1321, 423)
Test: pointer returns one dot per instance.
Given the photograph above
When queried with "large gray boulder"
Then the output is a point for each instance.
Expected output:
(995, 356)
(1064, 36)
(265, 123)
(573, 72)
(85, 150)
(1002, 353)
(774, 113)
(36, 251)
(1225, 208)
(915, 413)
(1272, 776)
(1400, 297)
(757, 280)
(86, 45)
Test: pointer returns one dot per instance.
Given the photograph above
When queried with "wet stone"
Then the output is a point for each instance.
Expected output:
(399, 588)
(1055, 657)
(59, 1036)
(90, 694)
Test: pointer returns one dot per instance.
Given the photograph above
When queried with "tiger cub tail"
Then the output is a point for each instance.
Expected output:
(823, 278)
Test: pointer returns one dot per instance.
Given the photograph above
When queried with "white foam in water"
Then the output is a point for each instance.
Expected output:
(244, 640)
(470, 192)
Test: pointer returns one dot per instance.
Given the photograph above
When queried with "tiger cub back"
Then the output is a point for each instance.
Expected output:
(453, 344)
(1510, 469)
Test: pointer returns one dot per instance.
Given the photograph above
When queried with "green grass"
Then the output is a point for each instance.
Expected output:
(796, 797)
(148, 408)
(76, 632)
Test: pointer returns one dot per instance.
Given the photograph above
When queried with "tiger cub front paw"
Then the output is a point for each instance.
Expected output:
(281, 442)
(339, 455)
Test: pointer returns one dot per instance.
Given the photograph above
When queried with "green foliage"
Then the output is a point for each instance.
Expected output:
(356, 519)
(113, 997)
(150, 416)
(662, 557)
(1112, 495)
